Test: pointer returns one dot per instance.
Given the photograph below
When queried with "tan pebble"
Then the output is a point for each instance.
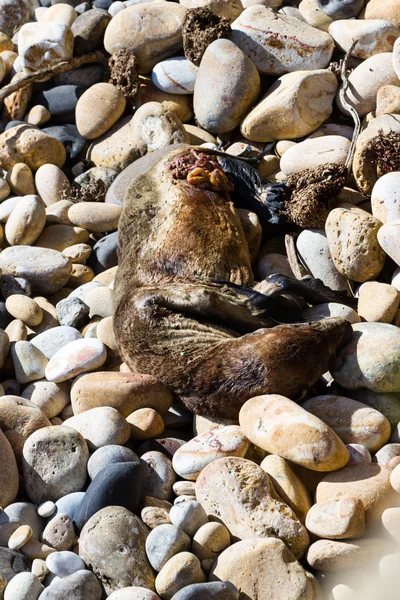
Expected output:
(337, 519)
(4, 189)
(388, 100)
(34, 549)
(126, 392)
(9, 481)
(331, 555)
(38, 115)
(60, 13)
(95, 216)
(282, 146)
(80, 274)
(378, 302)
(353, 243)
(99, 301)
(107, 276)
(17, 444)
(21, 415)
(181, 570)
(280, 426)
(24, 308)
(20, 180)
(8, 57)
(100, 427)
(389, 11)
(268, 165)
(313, 153)
(56, 421)
(16, 331)
(154, 516)
(57, 213)
(26, 221)
(31, 146)
(370, 483)
(4, 346)
(263, 568)
(241, 495)
(49, 315)
(98, 109)
(287, 485)
(39, 568)
(252, 231)
(184, 488)
(51, 183)
(59, 533)
(145, 423)
(210, 540)
(203, 424)
(313, 15)
(67, 412)
(105, 333)
(78, 253)
(391, 522)
(19, 538)
(58, 237)
(179, 105)
(199, 136)
(352, 421)
(395, 478)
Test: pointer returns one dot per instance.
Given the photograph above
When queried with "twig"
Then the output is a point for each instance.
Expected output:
(46, 74)
(297, 268)
(349, 107)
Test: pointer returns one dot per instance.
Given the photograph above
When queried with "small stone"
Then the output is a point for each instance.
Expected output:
(57, 213)
(69, 504)
(315, 446)
(332, 555)
(42, 45)
(163, 543)
(14, 285)
(31, 146)
(112, 544)
(210, 540)
(175, 75)
(4, 189)
(184, 487)
(309, 12)
(9, 482)
(230, 92)
(38, 115)
(191, 458)
(159, 475)
(353, 243)
(20, 180)
(133, 592)
(26, 221)
(100, 427)
(78, 253)
(279, 44)
(388, 100)
(340, 9)
(369, 483)
(313, 247)
(365, 81)
(24, 308)
(60, 13)
(99, 301)
(107, 455)
(51, 183)
(82, 585)
(263, 568)
(342, 518)
(150, 32)
(72, 312)
(188, 516)
(145, 423)
(373, 36)
(88, 30)
(59, 533)
(98, 109)
(385, 198)
(64, 563)
(39, 568)
(181, 570)
(29, 363)
(54, 463)
(330, 310)
(23, 586)
(390, 11)
(357, 366)
(378, 302)
(60, 236)
(294, 106)
(358, 454)
(51, 341)
(46, 270)
(76, 358)
(176, 104)
(315, 152)
(95, 216)
(154, 516)
(46, 509)
(19, 538)
(119, 484)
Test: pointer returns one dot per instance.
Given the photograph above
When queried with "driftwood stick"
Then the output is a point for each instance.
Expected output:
(349, 107)
(46, 74)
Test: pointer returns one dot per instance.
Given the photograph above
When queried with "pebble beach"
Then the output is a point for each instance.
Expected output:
(200, 300)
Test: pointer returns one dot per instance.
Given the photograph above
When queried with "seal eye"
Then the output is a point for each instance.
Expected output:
(121, 550)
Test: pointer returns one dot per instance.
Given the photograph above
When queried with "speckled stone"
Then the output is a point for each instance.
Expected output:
(101, 426)
(227, 85)
(374, 36)
(279, 44)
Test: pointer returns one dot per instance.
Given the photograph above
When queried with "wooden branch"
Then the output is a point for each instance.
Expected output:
(349, 107)
(46, 74)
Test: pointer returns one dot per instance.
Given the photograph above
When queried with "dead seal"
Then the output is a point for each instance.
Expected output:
(184, 308)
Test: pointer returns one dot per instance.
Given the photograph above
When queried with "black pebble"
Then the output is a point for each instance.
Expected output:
(104, 253)
(118, 484)
(68, 135)
(60, 101)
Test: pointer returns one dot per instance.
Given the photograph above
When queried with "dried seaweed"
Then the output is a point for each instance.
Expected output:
(384, 151)
(124, 73)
